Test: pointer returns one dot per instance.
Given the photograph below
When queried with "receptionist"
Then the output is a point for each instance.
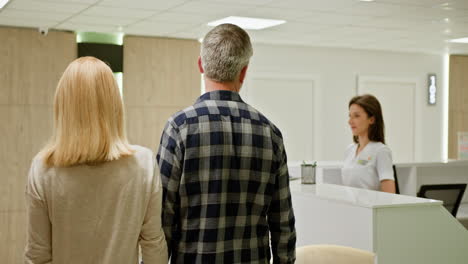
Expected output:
(368, 161)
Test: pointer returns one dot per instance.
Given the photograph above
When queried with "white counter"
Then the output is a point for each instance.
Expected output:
(399, 229)
(358, 197)
(410, 175)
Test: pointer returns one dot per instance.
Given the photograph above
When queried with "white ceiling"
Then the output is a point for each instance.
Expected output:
(398, 25)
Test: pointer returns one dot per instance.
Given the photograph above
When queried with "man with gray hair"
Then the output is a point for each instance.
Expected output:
(223, 165)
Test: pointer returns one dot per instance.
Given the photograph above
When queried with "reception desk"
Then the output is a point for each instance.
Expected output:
(410, 176)
(399, 229)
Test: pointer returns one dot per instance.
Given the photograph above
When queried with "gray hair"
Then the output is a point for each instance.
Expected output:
(225, 50)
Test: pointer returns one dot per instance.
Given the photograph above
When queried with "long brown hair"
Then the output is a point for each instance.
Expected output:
(372, 107)
(89, 117)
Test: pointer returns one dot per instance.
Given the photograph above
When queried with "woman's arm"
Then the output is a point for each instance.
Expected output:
(152, 240)
(384, 167)
(387, 186)
(39, 241)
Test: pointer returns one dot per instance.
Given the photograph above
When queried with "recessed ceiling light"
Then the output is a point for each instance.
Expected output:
(248, 22)
(460, 40)
(446, 20)
(366, 0)
(3, 3)
(444, 6)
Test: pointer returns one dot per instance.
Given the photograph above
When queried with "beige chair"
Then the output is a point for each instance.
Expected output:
(332, 254)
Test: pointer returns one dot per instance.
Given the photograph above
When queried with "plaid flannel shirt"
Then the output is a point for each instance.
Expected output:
(225, 185)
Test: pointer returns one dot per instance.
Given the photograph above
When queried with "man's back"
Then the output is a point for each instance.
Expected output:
(226, 185)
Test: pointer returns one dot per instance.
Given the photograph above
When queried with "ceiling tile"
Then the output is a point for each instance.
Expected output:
(421, 3)
(31, 15)
(334, 19)
(143, 4)
(87, 27)
(118, 12)
(458, 4)
(430, 14)
(287, 38)
(33, 23)
(209, 8)
(317, 5)
(287, 14)
(192, 32)
(242, 2)
(156, 27)
(193, 19)
(297, 28)
(458, 48)
(102, 20)
(373, 9)
(41, 6)
(88, 2)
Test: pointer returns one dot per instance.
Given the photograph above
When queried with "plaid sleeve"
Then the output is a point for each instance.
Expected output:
(281, 219)
(170, 161)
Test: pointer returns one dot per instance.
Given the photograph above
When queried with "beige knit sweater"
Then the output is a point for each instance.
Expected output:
(96, 214)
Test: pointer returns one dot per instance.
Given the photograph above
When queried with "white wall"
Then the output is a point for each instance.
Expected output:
(334, 73)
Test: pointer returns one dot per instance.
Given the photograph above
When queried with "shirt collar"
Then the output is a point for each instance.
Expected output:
(220, 95)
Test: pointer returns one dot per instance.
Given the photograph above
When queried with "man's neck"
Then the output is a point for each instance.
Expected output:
(211, 85)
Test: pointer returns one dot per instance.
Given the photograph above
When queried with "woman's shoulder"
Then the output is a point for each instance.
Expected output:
(38, 163)
(350, 147)
(141, 151)
(145, 160)
(39, 173)
(143, 156)
(380, 147)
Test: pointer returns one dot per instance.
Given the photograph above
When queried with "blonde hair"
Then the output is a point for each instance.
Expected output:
(89, 125)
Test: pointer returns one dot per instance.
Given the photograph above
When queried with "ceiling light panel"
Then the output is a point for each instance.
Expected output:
(459, 40)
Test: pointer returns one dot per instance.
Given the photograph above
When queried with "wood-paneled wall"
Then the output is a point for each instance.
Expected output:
(458, 101)
(160, 78)
(30, 67)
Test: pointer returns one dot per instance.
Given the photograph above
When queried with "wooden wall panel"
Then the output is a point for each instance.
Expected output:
(34, 64)
(31, 65)
(12, 236)
(160, 77)
(458, 101)
(11, 156)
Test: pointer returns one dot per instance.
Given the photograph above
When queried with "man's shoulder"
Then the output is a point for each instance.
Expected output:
(242, 110)
(198, 109)
(180, 117)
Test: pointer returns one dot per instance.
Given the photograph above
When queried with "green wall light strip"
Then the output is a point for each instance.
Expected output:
(104, 38)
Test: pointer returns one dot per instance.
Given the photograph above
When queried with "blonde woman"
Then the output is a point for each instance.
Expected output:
(92, 197)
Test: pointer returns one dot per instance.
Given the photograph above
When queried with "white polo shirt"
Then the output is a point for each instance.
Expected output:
(367, 169)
